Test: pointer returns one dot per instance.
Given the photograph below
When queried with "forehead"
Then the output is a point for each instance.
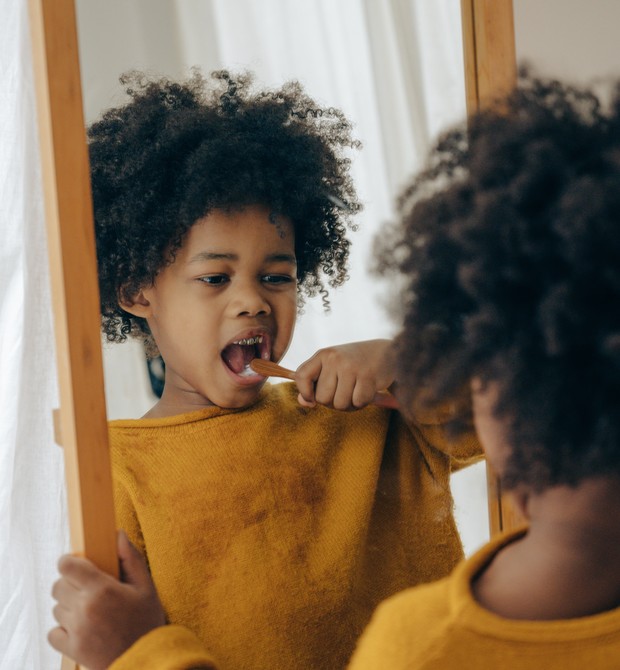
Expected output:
(249, 230)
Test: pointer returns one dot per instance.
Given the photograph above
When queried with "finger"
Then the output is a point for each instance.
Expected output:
(64, 592)
(59, 639)
(305, 377)
(304, 403)
(78, 571)
(343, 394)
(363, 393)
(326, 386)
(62, 616)
(134, 569)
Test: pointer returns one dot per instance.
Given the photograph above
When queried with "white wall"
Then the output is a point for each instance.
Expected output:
(576, 40)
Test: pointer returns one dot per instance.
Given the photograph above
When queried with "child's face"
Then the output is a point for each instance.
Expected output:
(229, 296)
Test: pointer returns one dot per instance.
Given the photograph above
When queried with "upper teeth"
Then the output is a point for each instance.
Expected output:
(250, 340)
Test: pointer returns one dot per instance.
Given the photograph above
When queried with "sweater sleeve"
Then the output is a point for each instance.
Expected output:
(126, 517)
(166, 648)
(463, 448)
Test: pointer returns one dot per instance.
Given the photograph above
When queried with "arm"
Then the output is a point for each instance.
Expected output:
(435, 425)
(106, 623)
(100, 617)
(346, 376)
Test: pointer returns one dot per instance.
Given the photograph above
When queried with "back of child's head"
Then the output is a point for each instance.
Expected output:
(509, 245)
(179, 150)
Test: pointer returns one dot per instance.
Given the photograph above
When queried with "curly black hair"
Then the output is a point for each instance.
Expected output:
(508, 245)
(178, 150)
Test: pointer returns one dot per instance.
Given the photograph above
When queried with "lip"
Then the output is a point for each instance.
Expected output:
(266, 348)
(250, 380)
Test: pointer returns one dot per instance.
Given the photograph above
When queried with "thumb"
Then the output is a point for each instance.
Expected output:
(133, 567)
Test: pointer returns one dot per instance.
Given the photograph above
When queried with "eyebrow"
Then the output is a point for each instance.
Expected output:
(213, 256)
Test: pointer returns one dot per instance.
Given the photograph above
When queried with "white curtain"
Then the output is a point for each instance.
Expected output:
(394, 67)
(33, 530)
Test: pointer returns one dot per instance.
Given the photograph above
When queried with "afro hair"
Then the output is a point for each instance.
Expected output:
(178, 150)
(508, 245)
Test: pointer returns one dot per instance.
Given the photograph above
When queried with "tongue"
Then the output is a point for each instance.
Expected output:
(238, 356)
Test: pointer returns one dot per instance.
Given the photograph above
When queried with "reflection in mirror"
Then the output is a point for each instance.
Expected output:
(394, 68)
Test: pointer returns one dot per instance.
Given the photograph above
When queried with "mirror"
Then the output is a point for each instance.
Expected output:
(394, 68)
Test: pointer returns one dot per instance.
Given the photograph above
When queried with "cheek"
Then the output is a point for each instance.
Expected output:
(286, 307)
(485, 430)
(492, 435)
(188, 328)
(291, 313)
(286, 317)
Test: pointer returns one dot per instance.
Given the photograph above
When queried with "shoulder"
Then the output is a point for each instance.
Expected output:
(426, 604)
(405, 627)
(419, 627)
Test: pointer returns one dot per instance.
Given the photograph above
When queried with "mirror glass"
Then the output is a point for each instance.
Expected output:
(395, 68)
(574, 40)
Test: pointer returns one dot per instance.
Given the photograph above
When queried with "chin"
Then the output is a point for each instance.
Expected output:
(242, 398)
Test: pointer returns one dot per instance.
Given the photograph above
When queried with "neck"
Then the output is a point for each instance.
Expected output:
(171, 404)
(566, 566)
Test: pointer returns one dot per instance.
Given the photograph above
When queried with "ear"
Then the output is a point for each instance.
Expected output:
(138, 305)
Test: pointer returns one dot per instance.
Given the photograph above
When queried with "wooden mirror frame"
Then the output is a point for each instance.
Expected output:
(490, 62)
(81, 423)
(490, 70)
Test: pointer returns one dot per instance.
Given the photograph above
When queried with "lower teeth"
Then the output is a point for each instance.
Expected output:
(246, 372)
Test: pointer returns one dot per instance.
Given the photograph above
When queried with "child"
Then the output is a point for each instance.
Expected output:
(514, 286)
(271, 529)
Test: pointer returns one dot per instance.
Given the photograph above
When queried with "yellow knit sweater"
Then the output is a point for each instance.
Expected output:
(272, 532)
(441, 627)
(432, 627)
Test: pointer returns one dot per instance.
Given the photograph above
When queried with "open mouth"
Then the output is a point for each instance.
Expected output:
(238, 354)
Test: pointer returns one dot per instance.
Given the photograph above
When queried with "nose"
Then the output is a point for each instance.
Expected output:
(249, 300)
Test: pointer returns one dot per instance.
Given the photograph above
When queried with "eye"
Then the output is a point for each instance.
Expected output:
(214, 280)
(276, 280)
